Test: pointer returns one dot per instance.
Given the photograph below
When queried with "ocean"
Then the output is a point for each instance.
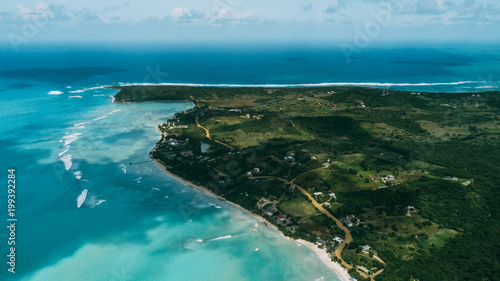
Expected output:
(67, 142)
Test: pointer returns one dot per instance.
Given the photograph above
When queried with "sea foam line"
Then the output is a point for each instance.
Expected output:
(372, 84)
(71, 138)
(86, 89)
(220, 238)
(102, 117)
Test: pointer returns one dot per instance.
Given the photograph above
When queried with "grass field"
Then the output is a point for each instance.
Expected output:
(298, 207)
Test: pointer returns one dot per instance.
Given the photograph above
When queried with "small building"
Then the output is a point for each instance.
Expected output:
(318, 193)
(327, 204)
(281, 218)
(271, 211)
(332, 195)
(313, 157)
(321, 242)
(256, 170)
(261, 203)
(366, 247)
(292, 228)
(349, 223)
(363, 269)
(338, 239)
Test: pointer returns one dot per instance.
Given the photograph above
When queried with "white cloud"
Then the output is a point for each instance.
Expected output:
(186, 15)
(42, 10)
(220, 16)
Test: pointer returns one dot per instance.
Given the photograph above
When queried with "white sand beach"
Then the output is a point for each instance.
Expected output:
(321, 253)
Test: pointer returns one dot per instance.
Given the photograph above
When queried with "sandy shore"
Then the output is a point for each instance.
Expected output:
(321, 253)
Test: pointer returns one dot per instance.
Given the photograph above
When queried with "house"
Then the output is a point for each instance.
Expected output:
(281, 218)
(271, 211)
(313, 157)
(292, 228)
(332, 195)
(256, 170)
(318, 193)
(338, 239)
(327, 204)
(235, 110)
(321, 242)
(261, 203)
(173, 142)
(249, 173)
(363, 269)
(349, 223)
(366, 247)
(410, 208)
(292, 187)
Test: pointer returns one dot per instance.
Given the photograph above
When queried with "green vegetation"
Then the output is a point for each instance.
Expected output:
(298, 207)
(413, 176)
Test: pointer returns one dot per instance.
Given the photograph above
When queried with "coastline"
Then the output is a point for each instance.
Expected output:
(321, 253)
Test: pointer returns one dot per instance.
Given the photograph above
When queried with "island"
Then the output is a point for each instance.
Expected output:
(392, 185)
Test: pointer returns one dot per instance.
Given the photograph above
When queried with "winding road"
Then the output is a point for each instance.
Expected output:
(207, 134)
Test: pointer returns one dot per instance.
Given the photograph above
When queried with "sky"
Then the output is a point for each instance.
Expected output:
(355, 22)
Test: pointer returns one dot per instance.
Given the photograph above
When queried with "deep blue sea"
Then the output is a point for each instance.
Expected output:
(66, 140)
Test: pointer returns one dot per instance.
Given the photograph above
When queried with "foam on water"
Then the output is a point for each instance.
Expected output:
(68, 139)
(105, 116)
(55, 93)
(79, 97)
(66, 159)
(86, 89)
(93, 201)
(326, 84)
(78, 175)
(123, 168)
(61, 153)
(80, 124)
(220, 238)
(81, 198)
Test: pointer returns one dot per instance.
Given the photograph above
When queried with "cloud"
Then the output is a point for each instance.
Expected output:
(88, 16)
(186, 15)
(221, 16)
(42, 10)
(446, 12)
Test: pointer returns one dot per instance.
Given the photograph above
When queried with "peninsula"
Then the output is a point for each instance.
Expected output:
(392, 185)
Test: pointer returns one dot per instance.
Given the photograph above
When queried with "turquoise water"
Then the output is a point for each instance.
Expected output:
(61, 132)
(136, 223)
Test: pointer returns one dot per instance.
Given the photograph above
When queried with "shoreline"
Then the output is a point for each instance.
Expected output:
(340, 271)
